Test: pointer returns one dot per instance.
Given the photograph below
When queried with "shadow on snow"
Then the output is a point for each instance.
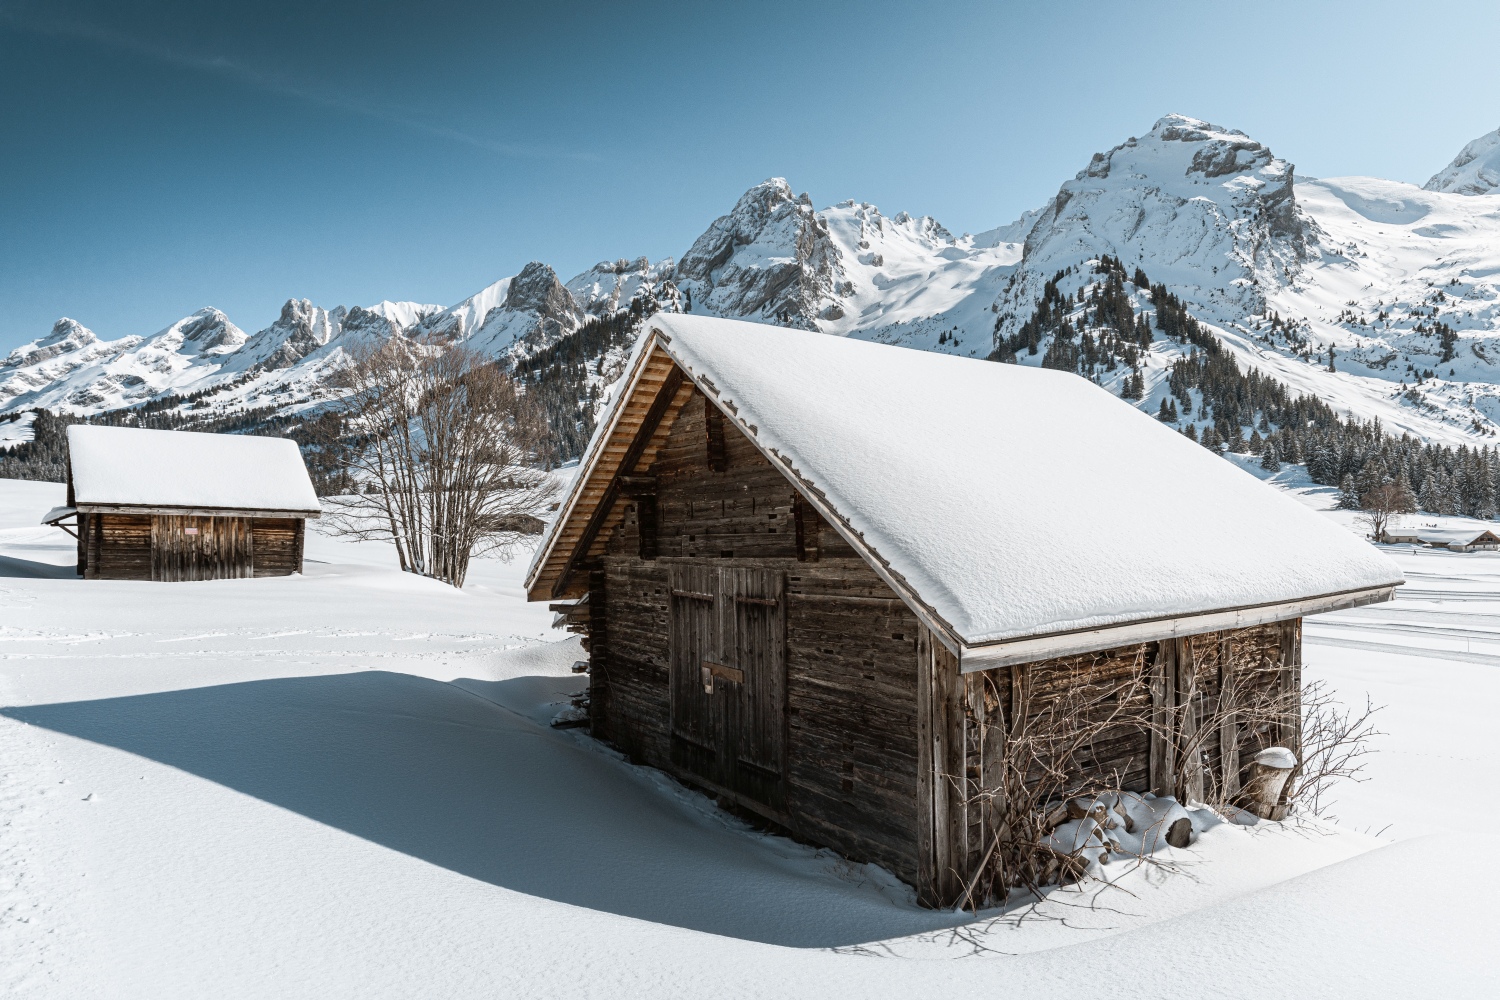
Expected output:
(458, 776)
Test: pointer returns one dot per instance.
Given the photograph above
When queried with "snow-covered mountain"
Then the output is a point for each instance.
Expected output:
(285, 365)
(1402, 283)
(1475, 170)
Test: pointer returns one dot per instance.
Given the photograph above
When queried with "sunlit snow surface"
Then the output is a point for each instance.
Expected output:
(343, 784)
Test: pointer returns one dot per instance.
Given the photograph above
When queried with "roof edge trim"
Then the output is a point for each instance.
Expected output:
(198, 510)
(589, 462)
(1012, 651)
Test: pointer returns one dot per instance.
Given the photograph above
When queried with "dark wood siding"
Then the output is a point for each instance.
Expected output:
(849, 756)
(200, 548)
(120, 547)
(180, 548)
(277, 545)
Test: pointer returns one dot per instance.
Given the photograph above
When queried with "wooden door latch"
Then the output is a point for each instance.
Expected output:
(711, 670)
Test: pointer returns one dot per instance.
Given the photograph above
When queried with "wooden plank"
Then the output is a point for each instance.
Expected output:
(713, 425)
(952, 827)
(1163, 706)
(928, 758)
(1229, 736)
(1187, 707)
(181, 511)
(1290, 683)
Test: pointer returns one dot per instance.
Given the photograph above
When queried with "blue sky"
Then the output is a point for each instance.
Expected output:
(156, 158)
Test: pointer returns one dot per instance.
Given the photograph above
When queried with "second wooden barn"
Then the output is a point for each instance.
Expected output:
(179, 505)
(814, 575)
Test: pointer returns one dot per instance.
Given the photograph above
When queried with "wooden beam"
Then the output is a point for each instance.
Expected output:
(170, 511)
(1191, 789)
(943, 855)
(654, 415)
(1163, 704)
(1229, 730)
(713, 425)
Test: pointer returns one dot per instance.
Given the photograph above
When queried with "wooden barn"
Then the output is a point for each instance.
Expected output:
(177, 505)
(815, 575)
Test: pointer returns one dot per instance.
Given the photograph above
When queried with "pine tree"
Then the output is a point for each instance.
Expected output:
(1348, 495)
(1330, 359)
(1429, 499)
(1163, 414)
(1269, 459)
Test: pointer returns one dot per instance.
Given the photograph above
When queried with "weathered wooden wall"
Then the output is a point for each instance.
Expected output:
(200, 548)
(276, 543)
(1158, 693)
(162, 547)
(119, 547)
(850, 772)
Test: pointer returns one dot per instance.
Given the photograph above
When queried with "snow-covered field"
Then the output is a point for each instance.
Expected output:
(344, 785)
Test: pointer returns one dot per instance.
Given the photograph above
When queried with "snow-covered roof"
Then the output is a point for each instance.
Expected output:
(1013, 502)
(1445, 536)
(135, 467)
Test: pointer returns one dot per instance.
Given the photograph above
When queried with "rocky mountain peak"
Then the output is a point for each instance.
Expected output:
(300, 329)
(771, 258)
(69, 330)
(538, 290)
(210, 330)
(611, 285)
(1474, 171)
(1196, 204)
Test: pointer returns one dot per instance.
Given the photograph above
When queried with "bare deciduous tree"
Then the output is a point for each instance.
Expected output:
(1382, 504)
(440, 444)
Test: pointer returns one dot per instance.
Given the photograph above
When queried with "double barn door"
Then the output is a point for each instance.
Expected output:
(727, 663)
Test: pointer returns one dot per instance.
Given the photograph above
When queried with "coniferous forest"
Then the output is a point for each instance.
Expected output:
(1098, 332)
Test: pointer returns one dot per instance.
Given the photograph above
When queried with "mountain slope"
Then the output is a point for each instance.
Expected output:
(1474, 171)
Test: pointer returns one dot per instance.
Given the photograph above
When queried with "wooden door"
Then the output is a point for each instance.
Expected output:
(693, 640)
(200, 548)
(755, 706)
(728, 678)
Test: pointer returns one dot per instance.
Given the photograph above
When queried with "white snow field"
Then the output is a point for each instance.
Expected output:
(344, 784)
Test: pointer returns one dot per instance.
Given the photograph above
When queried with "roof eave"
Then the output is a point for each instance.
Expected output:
(197, 510)
(587, 466)
(984, 656)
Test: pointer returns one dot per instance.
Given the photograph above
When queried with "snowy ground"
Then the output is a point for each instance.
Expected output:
(343, 785)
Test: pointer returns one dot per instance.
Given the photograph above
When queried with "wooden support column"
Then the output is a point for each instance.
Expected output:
(1191, 788)
(942, 748)
(598, 647)
(1163, 762)
(974, 735)
(1229, 729)
(1290, 683)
